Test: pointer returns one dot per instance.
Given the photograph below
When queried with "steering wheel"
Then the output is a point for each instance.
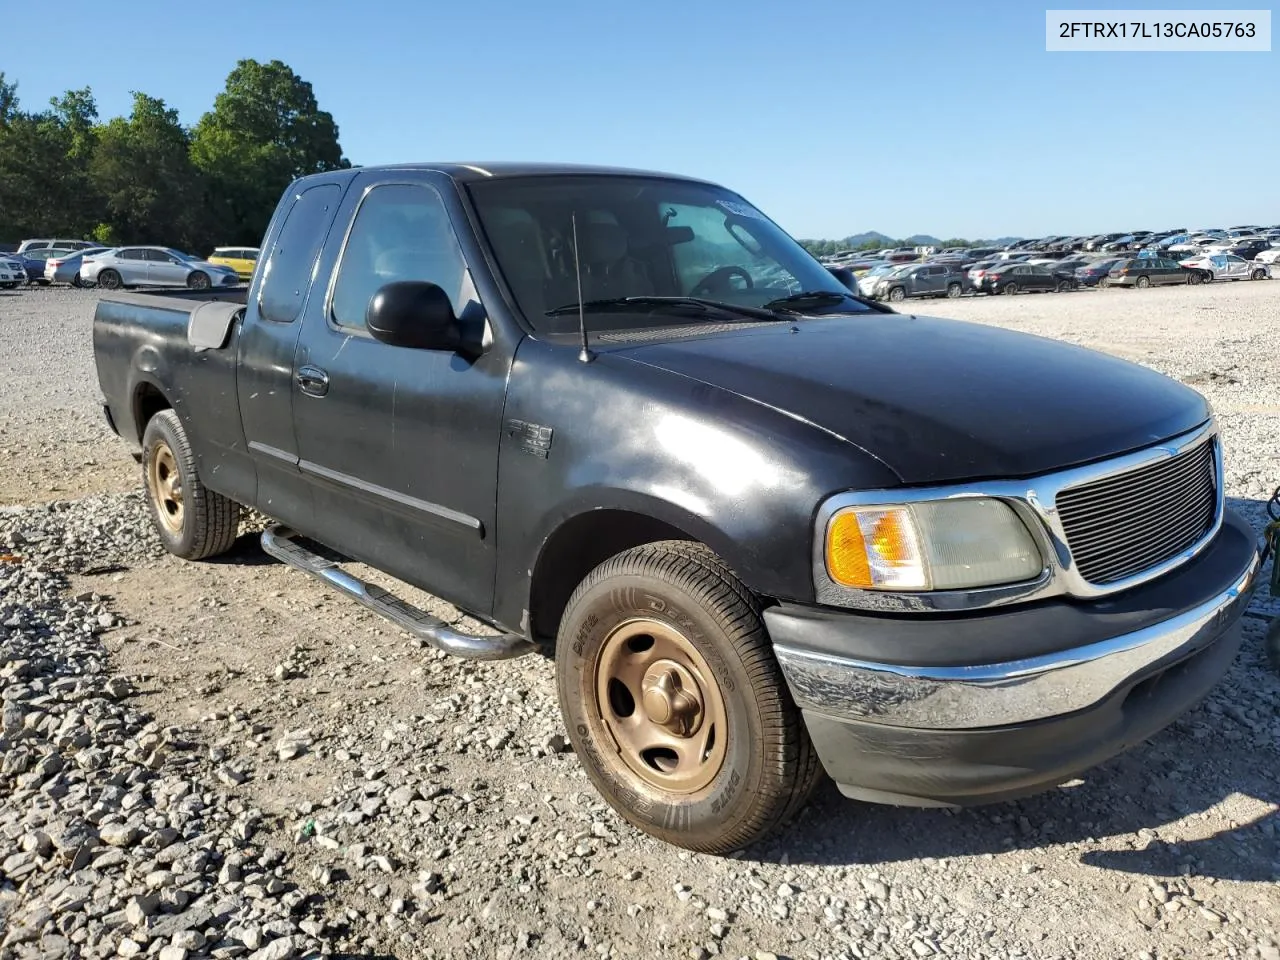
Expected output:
(718, 279)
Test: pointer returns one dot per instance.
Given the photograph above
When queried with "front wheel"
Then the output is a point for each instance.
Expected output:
(193, 521)
(198, 281)
(897, 294)
(674, 701)
(1258, 275)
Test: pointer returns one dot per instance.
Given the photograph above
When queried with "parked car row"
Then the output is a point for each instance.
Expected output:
(1059, 264)
(80, 263)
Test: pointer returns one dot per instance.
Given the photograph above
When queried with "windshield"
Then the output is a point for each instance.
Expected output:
(641, 237)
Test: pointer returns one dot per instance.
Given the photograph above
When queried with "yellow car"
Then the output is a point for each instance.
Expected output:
(240, 259)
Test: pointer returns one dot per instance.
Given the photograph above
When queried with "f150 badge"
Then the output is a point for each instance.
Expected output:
(533, 438)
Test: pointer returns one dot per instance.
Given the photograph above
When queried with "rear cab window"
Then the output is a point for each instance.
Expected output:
(287, 276)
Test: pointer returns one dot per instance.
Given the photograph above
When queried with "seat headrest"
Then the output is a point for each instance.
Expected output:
(603, 242)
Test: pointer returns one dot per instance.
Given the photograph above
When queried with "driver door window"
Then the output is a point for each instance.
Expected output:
(400, 232)
(714, 262)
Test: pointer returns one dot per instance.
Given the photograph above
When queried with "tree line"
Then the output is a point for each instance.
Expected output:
(146, 178)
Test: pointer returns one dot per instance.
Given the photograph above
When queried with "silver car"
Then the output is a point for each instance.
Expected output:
(1224, 266)
(12, 273)
(65, 268)
(153, 267)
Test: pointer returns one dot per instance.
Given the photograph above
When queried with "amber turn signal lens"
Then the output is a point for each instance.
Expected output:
(847, 552)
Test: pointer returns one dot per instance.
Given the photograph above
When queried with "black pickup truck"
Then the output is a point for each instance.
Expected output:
(766, 527)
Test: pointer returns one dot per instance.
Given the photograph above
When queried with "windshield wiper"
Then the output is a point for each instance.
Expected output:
(695, 305)
(814, 297)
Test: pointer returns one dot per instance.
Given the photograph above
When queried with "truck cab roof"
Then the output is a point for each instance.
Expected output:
(470, 172)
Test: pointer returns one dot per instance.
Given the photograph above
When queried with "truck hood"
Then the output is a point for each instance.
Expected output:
(941, 400)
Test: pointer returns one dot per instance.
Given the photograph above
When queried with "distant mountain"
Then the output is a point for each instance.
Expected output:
(922, 240)
(858, 239)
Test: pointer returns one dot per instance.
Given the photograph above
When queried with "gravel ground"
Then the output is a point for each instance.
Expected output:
(222, 759)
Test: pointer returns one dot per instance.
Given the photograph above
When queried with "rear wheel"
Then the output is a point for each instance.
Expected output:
(109, 280)
(1062, 286)
(198, 281)
(1010, 289)
(1142, 283)
(193, 521)
(954, 290)
(675, 703)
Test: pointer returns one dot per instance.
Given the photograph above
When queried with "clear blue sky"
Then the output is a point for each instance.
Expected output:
(833, 116)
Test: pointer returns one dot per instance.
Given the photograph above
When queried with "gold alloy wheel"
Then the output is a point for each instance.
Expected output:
(166, 486)
(660, 704)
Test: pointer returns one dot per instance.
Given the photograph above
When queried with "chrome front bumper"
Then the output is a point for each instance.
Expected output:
(1012, 692)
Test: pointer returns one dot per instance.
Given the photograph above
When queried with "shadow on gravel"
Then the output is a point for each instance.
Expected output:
(1213, 753)
(245, 552)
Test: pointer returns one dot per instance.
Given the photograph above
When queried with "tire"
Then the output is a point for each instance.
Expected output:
(1103, 283)
(109, 280)
(897, 294)
(666, 612)
(1258, 275)
(193, 522)
(199, 281)
(1142, 283)
(76, 281)
(1061, 287)
(12, 285)
(1010, 289)
(954, 290)
(1195, 278)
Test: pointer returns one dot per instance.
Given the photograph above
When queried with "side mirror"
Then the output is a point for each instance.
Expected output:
(413, 313)
(845, 276)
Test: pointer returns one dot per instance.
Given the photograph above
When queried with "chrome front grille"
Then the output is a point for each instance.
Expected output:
(1121, 525)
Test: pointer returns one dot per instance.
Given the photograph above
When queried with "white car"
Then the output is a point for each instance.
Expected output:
(867, 282)
(1224, 266)
(12, 273)
(1197, 244)
(153, 267)
(1269, 256)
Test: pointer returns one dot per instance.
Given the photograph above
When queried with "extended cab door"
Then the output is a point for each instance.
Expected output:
(400, 445)
(268, 341)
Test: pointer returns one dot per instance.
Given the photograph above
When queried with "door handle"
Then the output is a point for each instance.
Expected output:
(312, 381)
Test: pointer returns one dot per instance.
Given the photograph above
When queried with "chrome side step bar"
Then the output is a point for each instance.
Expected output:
(279, 542)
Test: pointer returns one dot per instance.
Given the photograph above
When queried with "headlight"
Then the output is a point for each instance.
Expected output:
(931, 545)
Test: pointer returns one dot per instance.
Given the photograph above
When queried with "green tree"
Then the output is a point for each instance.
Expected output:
(8, 99)
(142, 168)
(42, 187)
(265, 129)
